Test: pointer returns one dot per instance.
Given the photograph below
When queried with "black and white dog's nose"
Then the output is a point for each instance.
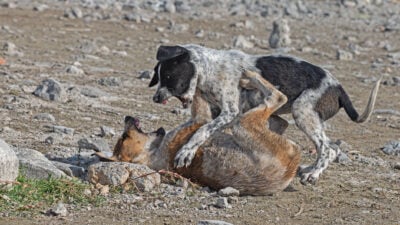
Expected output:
(156, 98)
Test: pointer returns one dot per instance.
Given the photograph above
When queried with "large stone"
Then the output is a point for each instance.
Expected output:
(280, 36)
(35, 165)
(392, 148)
(96, 144)
(49, 90)
(241, 42)
(117, 173)
(228, 191)
(8, 163)
(70, 170)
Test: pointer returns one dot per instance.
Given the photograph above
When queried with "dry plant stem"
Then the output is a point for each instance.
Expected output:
(300, 210)
(164, 172)
(9, 182)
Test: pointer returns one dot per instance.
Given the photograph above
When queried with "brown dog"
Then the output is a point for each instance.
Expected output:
(250, 158)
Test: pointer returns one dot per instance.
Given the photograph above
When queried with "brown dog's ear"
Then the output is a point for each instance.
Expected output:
(154, 80)
(169, 52)
(160, 131)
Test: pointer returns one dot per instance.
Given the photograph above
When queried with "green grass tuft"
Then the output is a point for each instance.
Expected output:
(39, 194)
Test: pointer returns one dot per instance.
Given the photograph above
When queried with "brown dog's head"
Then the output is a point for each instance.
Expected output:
(134, 144)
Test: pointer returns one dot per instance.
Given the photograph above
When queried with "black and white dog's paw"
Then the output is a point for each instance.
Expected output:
(308, 175)
(184, 157)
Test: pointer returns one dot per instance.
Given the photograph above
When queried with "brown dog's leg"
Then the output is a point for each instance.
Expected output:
(252, 132)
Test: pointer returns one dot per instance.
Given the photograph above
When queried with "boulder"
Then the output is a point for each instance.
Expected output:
(34, 165)
(8, 163)
(118, 173)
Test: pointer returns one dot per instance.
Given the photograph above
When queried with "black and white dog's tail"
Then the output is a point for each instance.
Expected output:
(351, 111)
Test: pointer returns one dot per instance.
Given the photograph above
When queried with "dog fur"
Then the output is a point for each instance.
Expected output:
(314, 95)
(251, 158)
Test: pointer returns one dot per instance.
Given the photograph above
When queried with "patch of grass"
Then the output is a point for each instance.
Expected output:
(39, 194)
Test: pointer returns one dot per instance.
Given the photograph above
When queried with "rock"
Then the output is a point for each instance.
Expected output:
(170, 6)
(145, 183)
(40, 8)
(110, 81)
(182, 6)
(49, 90)
(178, 28)
(10, 5)
(213, 222)
(9, 163)
(117, 173)
(292, 10)
(228, 191)
(394, 81)
(241, 42)
(58, 210)
(144, 74)
(393, 23)
(62, 130)
(44, 117)
(134, 17)
(344, 55)
(74, 70)
(233, 199)
(394, 55)
(73, 13)
(223, 203)
(106, 173)
(11, 50)
(104, 50)
(34, 165)
(104, 190)
(396, 166)
(280, 36)
(392, 148)
(199, 33)
(96, 144)
(106, 131)
(70, 170)
(92, 92)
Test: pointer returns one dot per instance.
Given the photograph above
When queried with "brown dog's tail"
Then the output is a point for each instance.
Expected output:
(351, 111)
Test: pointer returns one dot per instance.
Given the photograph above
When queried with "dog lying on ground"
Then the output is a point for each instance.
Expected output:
(252, 159)
(314, 95)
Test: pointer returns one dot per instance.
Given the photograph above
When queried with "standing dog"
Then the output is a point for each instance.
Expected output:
(314, 95)
(252, 159)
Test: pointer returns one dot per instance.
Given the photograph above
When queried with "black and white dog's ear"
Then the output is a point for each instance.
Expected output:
(154, 80)
(169, 52)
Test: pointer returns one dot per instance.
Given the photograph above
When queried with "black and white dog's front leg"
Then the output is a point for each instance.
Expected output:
(186, 154)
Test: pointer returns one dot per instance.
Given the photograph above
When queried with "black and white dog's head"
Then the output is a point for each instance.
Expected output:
(173, 73)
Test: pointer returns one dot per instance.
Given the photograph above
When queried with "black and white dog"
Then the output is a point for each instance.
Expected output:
(314, 95)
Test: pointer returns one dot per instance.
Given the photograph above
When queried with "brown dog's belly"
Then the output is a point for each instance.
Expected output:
(222, 163)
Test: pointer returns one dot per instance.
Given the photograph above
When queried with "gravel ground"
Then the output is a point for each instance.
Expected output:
(96, 51)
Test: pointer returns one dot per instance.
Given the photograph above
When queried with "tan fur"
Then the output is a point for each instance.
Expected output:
(252, 159)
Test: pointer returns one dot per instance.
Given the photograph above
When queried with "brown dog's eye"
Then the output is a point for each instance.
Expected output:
(125, 135)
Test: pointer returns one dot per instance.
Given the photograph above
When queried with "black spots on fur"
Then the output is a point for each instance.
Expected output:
(328, 104)
(292, 76)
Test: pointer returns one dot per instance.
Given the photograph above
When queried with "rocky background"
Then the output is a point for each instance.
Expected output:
(71, 70)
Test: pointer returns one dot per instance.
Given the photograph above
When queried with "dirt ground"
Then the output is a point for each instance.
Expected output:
(360, 192)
